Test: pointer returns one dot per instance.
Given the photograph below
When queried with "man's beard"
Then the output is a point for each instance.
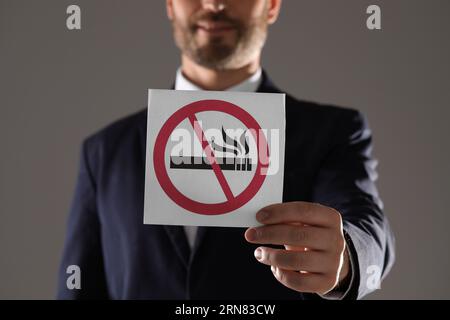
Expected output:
(217, 54)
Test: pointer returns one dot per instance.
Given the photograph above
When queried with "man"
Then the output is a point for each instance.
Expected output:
(329, 238)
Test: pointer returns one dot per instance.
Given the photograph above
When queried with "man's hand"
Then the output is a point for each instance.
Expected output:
(315, 257)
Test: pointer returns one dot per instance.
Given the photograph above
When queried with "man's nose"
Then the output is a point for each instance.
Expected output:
(213, 5)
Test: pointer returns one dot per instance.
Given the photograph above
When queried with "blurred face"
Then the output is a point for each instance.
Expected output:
(221, 34)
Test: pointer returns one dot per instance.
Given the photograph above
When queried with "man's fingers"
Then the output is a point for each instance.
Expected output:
(285, 234)
(304, 282)
(301, 212)
(310, 261)
(301, 225)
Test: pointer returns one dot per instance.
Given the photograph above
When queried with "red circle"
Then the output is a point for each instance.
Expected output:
(161, 171)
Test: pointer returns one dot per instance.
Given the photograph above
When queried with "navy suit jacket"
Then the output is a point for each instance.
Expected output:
(327, 160)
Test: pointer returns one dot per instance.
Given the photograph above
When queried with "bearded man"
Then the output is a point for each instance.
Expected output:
(323, 241)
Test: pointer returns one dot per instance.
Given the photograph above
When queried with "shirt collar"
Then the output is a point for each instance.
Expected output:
(251, 84)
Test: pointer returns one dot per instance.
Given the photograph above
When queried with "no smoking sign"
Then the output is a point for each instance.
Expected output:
(213, 158)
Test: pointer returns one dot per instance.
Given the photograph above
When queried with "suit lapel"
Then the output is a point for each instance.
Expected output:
(179, 241)
(177, 234)
(266, 85)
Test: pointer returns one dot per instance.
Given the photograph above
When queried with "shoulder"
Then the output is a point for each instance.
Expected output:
(126, 131)
(327, 117)
(320, 111)
(312, 113)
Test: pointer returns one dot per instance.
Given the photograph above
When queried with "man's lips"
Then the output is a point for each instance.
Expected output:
(215, 28)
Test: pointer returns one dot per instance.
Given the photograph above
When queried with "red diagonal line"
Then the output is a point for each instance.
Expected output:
(211, 158)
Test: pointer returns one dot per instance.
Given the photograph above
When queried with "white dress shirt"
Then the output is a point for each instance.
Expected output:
(251, 84)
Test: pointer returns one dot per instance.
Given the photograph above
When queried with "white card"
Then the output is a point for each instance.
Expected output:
(213, 158)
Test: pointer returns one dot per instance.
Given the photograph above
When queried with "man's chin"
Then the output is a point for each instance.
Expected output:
(214, 59)
(219, 41)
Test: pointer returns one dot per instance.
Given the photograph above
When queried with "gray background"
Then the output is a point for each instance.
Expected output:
(58, 86)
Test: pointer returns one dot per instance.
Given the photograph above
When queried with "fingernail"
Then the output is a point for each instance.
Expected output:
(251, 234)
(262, 216)
(258, 253)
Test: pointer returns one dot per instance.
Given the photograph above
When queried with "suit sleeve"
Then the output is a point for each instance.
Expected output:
(83, 242)
(346, 182)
